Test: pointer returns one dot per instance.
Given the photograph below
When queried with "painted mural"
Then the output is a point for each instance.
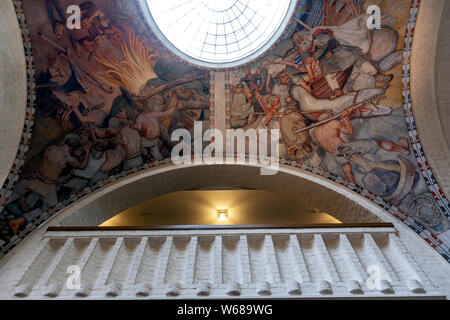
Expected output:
(334, 89)
(109, 96)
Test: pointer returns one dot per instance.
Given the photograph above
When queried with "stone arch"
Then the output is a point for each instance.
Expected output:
(319, 192)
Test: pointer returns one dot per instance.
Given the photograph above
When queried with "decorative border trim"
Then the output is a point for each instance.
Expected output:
(228, 100)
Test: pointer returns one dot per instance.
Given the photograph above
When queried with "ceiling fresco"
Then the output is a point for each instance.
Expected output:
(339, 95)
(105, 100)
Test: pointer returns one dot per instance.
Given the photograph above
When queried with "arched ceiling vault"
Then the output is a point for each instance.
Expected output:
(70, 68)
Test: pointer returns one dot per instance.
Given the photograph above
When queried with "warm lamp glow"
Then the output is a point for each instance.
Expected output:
(222, 214)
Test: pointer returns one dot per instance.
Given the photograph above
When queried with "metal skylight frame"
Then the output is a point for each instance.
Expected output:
(232, 44)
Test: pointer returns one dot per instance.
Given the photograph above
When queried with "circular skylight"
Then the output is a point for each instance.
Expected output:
(219, 33)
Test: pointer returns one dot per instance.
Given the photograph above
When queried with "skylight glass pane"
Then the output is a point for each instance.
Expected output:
(218, 31)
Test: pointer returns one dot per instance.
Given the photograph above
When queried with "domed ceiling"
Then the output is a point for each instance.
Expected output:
(109, 96)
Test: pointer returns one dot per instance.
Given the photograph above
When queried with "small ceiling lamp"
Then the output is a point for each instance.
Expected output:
(222, 214)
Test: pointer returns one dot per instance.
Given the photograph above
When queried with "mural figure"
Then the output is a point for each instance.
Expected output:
(43, 182)
(96, 27)
(148, 123)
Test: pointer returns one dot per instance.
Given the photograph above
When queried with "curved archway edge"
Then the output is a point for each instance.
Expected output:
(327, 192)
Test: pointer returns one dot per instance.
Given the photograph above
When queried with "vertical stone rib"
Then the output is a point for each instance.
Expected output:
(87, 254)
(324, 259)
(189, 269)
(272, 264)
(417, 273)
(381, 259)
(52, 267)
(163, 260)
(137, 259)
(352, 259)
(245, 262)
(109, 263)
(33, 258)
(301, 272)
(217, 264)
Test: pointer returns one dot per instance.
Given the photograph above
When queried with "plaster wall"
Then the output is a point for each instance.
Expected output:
(13, 87)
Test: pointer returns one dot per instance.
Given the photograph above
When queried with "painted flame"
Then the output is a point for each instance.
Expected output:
(135, 69)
